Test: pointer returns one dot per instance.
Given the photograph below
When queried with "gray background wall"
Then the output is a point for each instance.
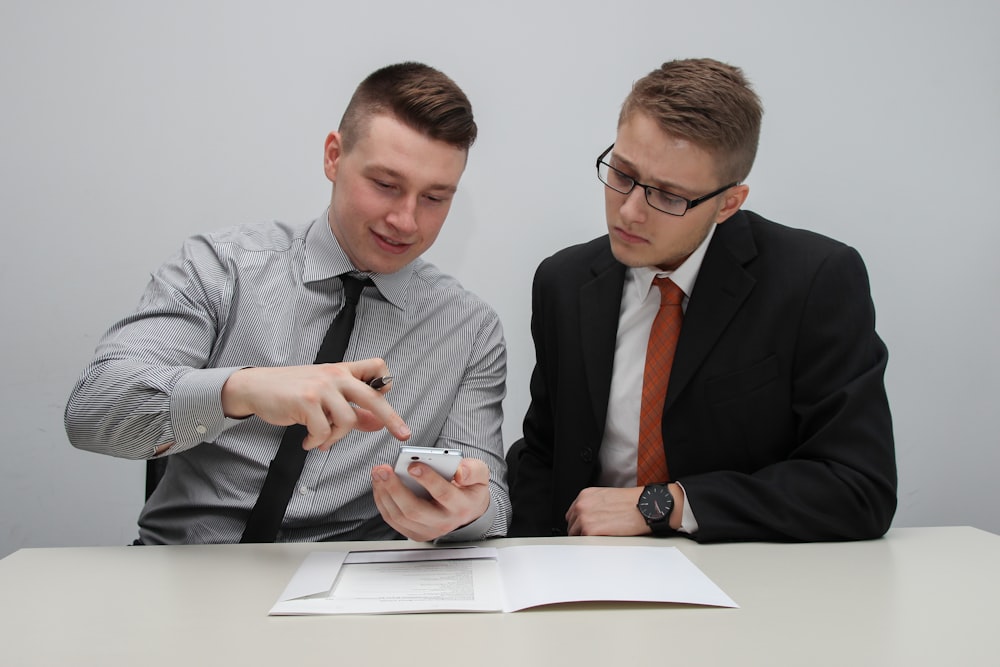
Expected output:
(126, 126)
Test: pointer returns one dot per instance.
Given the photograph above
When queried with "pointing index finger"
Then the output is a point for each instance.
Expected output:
(375, 402)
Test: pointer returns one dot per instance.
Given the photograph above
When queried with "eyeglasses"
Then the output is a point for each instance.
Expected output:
(661, 200)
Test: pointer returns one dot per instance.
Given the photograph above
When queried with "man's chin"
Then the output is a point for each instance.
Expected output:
(386, 264)
(627, 256)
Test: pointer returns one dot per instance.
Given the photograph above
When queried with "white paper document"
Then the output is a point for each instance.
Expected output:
(492, 579)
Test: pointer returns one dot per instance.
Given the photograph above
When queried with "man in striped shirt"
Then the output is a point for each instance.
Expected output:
(217, 359)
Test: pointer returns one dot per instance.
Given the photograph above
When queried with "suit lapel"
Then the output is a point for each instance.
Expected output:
(600, 303)
(721, 288)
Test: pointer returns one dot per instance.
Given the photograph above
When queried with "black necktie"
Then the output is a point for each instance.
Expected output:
(267, 514)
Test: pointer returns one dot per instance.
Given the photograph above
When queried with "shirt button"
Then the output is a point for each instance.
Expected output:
(201, 429)
(303, 489)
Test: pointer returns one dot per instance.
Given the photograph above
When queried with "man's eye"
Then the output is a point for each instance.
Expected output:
(667, 199)
(382, 185)
(619, 179)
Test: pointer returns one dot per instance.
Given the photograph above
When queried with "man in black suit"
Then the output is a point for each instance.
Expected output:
(775, 423)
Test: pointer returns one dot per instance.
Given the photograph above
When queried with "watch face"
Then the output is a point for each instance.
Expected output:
(655, 502)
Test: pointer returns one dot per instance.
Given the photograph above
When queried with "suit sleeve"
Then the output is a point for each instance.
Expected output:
(838, 480)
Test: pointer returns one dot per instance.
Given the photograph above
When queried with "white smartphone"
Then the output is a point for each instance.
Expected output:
(443, 461)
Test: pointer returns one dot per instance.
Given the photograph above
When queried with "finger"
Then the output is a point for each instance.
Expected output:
(402, 510)
(573, 525)
(436, 485)
(471, 472)
(317, 425)
(387, 482)
(340, 418)
(372, 401)
(367, 421)
(456, 504)
(366, 369)
(343, 419)
(571, 517)
(384, 501)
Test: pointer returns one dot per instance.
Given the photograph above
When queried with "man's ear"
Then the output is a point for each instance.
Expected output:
(332, 152)
(732, 200)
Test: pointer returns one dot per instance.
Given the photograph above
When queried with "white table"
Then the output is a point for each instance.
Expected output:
(920, 596)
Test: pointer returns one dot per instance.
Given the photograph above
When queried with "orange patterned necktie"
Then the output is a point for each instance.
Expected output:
(651, 464)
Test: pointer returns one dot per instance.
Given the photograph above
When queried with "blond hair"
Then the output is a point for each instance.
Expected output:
(706, 102)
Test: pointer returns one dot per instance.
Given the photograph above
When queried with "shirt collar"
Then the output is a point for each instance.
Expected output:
(325, 259)
(684, 276)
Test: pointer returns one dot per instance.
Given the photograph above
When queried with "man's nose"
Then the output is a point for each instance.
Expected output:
(403, 216)
(635, 208)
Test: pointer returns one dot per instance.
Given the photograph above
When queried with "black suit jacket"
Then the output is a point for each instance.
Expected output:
(776, 420)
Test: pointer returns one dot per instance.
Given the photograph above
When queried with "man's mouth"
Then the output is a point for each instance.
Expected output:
(390, 245)
(627, 237)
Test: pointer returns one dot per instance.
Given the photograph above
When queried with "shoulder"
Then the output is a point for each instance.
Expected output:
(581, 253)
(245, 245)
(434, 289)
(586, 259)
(271, 236)
(772, 235)
(787, 259)
(755, 240)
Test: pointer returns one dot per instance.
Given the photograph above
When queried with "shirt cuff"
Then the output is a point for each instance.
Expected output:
(196, 414)
(689, 524)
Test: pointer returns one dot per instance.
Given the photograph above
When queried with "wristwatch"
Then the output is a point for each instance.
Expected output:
(655, 505)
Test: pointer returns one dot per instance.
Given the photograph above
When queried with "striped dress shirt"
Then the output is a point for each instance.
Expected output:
(264, 295)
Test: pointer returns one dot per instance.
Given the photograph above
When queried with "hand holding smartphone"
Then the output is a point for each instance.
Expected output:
(443, 461)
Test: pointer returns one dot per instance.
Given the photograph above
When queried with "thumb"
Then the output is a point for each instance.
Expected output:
(471, 472)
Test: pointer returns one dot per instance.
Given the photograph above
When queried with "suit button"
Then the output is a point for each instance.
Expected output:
(587, 455)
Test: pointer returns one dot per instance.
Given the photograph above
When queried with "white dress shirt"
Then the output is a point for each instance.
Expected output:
(640, 302)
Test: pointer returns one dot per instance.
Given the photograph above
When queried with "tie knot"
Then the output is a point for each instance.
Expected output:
(670, 293)
(353, 286)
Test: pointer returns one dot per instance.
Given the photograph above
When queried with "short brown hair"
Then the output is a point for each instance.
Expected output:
(417, 95)
(706, 102)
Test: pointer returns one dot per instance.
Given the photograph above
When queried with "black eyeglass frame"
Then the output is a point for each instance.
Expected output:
(691, 203)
